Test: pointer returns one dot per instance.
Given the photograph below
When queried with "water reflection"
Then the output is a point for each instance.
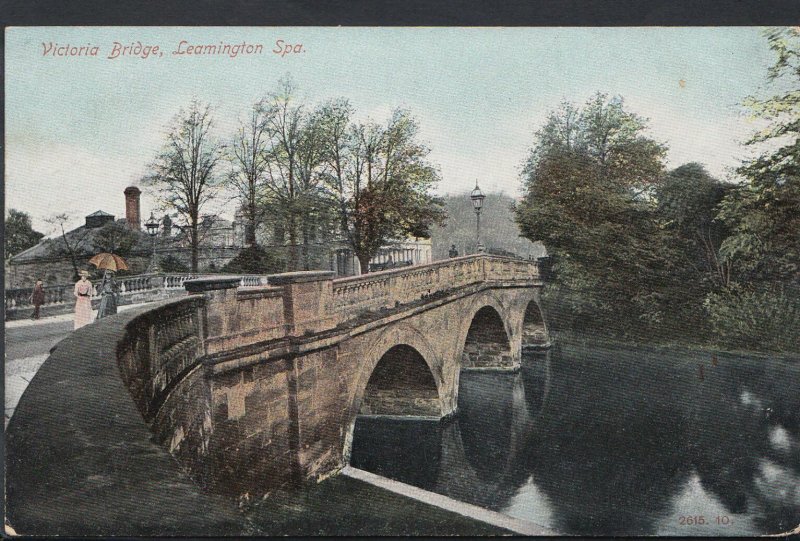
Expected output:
(627, 442)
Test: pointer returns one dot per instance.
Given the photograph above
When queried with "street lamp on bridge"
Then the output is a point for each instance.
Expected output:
(477, 203)
(152, 226)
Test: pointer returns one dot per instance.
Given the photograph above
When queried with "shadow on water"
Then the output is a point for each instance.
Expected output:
(613, 440)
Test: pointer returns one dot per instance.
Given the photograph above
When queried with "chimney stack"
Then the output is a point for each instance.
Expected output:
(132, 207)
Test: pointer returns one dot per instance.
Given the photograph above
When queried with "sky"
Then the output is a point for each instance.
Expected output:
(79, 129)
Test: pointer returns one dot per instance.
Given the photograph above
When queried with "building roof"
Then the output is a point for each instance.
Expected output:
(99, 213)
(83, 241)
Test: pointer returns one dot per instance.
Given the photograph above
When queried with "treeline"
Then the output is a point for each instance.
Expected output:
(307, 174)
(642, 253)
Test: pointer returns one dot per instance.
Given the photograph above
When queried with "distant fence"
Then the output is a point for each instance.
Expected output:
(132, 290)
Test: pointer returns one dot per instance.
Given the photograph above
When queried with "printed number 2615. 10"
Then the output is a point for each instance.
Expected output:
(700, 519)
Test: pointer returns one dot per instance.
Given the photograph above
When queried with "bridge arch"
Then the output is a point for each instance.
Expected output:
(534, 329)
(487, 338)
(401, 384)
(401, 356)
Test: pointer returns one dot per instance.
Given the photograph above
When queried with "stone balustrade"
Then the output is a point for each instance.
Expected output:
(387, 289)
(131, 289)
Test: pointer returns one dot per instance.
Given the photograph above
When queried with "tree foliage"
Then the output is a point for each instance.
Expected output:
(687, 202)
(764, 213)
(185, 172)
(171, 263)
(115, 238)
(255, 260)
(19, 232)
(379, 179)
(586, 182)
(679, 254)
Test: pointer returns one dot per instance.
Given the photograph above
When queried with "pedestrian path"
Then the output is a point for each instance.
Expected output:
(61, 317)
(19, 373)
(41, 321)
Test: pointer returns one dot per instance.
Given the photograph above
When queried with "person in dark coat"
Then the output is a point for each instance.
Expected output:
(108, 299)
(37, 298)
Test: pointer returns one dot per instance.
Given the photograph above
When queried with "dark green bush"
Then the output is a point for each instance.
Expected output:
(255, 260)
(170, 263)
(760, 319)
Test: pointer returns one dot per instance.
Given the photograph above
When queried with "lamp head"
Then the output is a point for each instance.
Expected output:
(477, 197)
(152, 226)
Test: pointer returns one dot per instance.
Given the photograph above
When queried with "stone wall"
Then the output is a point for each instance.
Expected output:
(243, 317)
(252, 448)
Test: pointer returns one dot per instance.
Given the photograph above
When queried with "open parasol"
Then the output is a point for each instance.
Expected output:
(108, 261)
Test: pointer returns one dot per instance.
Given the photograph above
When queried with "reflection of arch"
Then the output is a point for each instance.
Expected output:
(484, 459)
(485, 415)
(385, 341)
(536, 379)
(487, 343)
(534, 330)
(406, 450)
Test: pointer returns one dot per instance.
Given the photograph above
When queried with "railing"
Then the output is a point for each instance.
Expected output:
(399, 286)
(128, 285)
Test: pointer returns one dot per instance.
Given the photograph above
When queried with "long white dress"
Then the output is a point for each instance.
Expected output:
(83, 303)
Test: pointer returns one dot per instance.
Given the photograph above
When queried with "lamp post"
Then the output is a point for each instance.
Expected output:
(152, 230)
(477, 203)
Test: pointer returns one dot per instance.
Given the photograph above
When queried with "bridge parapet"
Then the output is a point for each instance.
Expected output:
(157, 349)
(387, 289)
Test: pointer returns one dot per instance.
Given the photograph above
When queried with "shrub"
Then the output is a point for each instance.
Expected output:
(762, 319)
(255, 260)
(170, 263)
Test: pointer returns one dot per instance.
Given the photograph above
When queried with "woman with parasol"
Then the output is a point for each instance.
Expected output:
(83, 300)
(110, 263)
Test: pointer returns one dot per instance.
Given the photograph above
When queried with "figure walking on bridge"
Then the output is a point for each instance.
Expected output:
(108, 290)
(83, 300)
(37, 298)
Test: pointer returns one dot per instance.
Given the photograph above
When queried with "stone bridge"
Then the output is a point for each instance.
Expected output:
(256, 388)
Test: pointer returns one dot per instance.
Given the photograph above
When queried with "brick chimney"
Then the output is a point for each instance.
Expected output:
(132, 207)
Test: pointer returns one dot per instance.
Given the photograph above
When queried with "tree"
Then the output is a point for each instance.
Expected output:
(317, 221)
(284, 119)
(115, 238)
(379, 180)
(184, 174)
(760, 307)
(20, 234)
(764, 213)
(687, 205)
(72, 244)
(293, 153)
(247, 155)
(588, 182)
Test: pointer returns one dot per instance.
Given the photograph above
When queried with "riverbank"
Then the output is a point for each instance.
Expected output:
(587, 340)
(342, 505)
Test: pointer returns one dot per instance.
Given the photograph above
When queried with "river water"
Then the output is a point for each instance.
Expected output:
(612, 440)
